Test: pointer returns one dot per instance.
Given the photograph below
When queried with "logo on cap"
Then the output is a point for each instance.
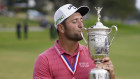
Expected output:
(59, 19)
(71, 6)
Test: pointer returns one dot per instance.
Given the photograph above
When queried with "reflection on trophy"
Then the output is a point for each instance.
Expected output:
(98, 45)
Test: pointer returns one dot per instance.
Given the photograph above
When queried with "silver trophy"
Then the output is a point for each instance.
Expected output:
(98, 44)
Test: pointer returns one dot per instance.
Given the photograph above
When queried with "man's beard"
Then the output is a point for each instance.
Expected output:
(74, 37)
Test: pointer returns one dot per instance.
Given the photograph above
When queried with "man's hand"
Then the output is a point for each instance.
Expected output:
(107, 65)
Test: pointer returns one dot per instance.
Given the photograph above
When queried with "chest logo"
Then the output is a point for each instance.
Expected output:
(83, 64)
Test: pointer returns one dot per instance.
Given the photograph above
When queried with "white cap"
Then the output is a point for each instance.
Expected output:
(67, 10)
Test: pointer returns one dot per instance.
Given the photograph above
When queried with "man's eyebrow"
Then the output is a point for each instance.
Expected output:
(77, 18)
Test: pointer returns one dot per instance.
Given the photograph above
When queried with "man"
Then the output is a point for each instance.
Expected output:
(18, 30)
(68, 59)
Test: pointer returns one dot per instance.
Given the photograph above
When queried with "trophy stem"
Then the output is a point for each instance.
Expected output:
(97, 61)
(97, 73)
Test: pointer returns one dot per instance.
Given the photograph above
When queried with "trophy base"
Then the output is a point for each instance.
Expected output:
(97, 73)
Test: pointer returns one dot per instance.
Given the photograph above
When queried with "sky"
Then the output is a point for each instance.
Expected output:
(138, 4)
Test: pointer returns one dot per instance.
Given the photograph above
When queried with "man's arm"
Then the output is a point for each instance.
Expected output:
(41, 69)
(107, 65)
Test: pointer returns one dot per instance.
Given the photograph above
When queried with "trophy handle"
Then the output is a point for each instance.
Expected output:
(116, 29)
(83, 36)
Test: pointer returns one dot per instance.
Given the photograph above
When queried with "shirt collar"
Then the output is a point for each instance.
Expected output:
(61, 51)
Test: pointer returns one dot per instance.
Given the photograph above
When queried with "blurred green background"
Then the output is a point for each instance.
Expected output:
(17, 56)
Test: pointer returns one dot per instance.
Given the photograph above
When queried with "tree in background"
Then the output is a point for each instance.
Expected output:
(40, 4)
(119, 9)
(111, 8)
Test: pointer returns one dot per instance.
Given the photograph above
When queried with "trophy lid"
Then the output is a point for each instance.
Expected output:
(99, 25)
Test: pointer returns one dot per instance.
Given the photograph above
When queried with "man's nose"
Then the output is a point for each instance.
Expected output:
(80, 24)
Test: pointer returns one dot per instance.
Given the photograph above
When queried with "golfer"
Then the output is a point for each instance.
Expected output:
(68, 59)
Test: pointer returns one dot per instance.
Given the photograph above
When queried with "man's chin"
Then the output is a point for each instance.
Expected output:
(79, 39)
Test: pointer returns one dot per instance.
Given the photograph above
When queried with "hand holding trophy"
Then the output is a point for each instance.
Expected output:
(98, 45)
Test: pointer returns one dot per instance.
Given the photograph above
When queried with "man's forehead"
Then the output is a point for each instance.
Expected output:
(75, 15)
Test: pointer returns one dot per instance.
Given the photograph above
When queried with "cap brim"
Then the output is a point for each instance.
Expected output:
(83, 10)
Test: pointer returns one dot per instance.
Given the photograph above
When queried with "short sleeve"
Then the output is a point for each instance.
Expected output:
(41, 68)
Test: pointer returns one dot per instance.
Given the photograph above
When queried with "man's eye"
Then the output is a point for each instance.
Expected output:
(74, 21)
(81, 20)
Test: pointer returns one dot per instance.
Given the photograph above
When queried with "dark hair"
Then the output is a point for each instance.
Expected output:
(64, 24)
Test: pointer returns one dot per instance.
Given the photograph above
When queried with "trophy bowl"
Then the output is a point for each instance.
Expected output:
(98, 43)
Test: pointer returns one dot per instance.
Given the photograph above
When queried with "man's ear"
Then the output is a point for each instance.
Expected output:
(60, 28)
